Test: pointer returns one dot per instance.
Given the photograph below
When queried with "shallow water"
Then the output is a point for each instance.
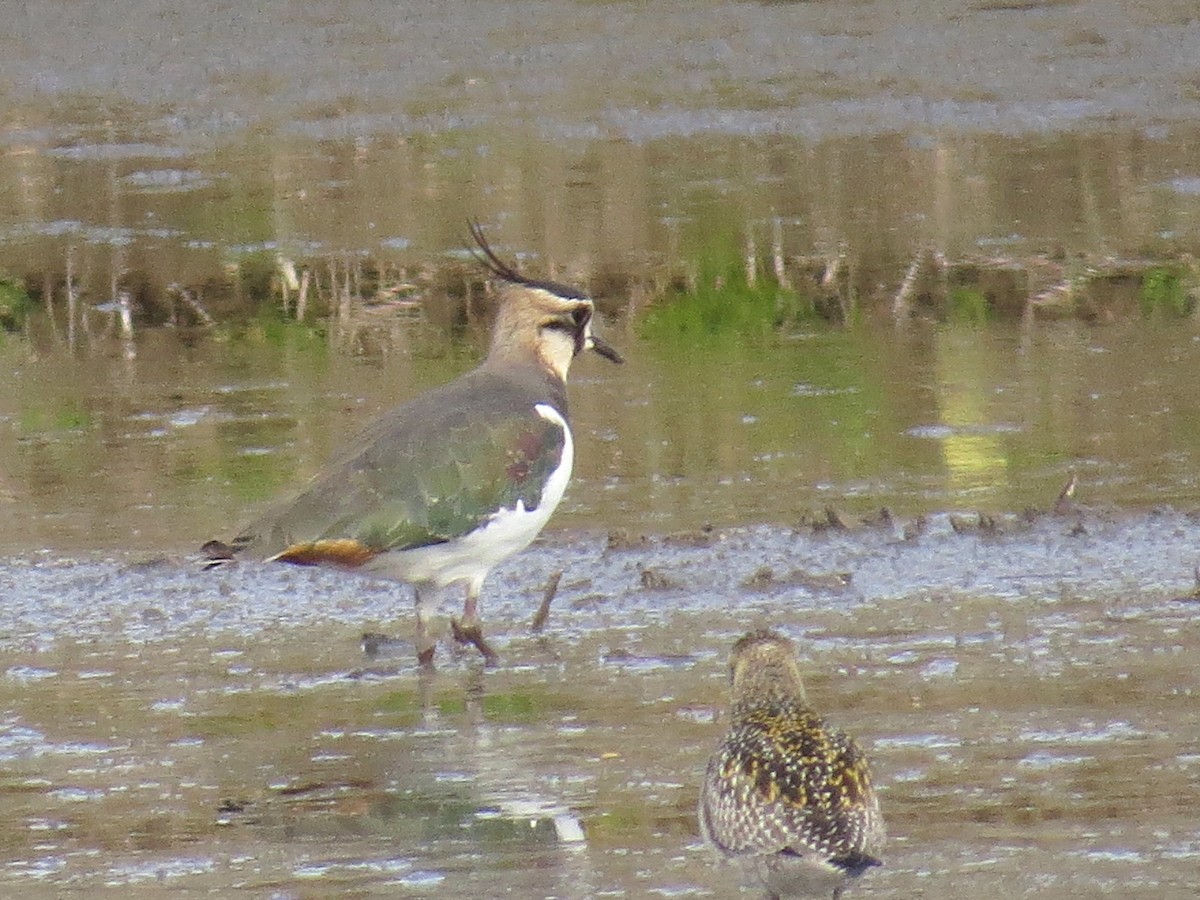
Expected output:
(162, 451)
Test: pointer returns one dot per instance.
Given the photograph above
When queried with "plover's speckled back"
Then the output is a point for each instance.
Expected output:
(784, 795)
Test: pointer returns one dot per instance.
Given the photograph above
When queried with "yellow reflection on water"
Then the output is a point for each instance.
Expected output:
(974, 451)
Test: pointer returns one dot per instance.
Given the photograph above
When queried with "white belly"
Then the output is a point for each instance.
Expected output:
(508, 531)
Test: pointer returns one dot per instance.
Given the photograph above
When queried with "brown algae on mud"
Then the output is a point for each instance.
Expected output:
(1025, 697)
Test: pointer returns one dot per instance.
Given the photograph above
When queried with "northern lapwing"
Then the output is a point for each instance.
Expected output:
(785, 796)
(440, 490)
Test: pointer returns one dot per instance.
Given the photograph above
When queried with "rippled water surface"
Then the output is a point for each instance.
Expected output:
(1028, 701)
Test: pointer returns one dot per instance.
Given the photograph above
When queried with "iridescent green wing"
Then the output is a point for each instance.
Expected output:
(427, 474)
(436, 491)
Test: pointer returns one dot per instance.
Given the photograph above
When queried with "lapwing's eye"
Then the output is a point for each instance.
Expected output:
(580, 315)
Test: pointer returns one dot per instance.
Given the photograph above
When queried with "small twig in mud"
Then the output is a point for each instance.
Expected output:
(543, 614)
(193, 303)
(1064, 504)
(751, 260)
(302, 296)
(833, 270)
(903, 302)
(1061, 294)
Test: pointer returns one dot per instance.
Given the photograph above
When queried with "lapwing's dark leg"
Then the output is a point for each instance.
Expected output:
(469, 630)
(425, 643)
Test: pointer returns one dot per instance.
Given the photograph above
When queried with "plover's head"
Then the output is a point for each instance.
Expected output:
(763, 669)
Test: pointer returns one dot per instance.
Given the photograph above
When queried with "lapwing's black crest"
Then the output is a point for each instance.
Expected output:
(487, 258)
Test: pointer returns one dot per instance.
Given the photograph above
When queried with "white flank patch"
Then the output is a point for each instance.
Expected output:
(509, 531)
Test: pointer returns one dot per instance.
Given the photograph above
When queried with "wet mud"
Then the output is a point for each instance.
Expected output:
(591, 70)
(1027, 696)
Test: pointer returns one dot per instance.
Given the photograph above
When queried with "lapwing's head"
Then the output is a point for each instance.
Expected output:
(763, 669)
(548, 322)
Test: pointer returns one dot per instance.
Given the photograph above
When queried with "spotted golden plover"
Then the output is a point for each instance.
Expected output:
(786, 797)
(443, 488)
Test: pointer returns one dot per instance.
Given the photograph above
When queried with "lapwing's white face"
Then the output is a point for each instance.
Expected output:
(564, 330)
(545, 319)
(551, 321)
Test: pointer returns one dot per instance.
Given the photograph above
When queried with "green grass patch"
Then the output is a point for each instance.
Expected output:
(1164, 290)
(15, 303)
(970, 306)
(68, 415)
(507, 706)
(723, 303)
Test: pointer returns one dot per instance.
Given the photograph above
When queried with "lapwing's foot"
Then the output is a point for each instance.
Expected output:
(464, 633)
(473, 634)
